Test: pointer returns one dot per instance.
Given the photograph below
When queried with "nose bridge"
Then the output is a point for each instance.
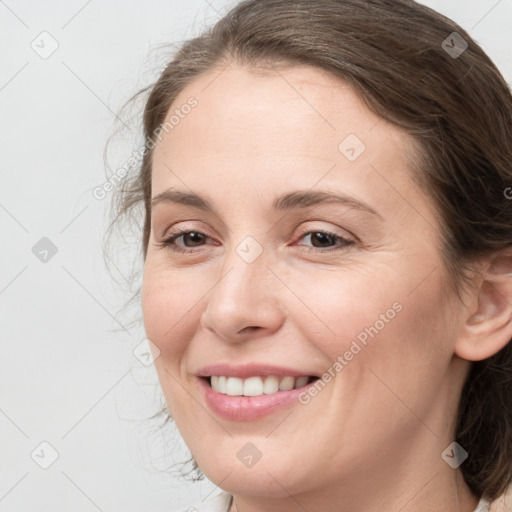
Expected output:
(243, 296)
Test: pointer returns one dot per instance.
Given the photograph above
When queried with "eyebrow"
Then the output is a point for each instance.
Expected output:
(292, 200)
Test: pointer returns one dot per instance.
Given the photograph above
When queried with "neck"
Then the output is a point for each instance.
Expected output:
(424, 500)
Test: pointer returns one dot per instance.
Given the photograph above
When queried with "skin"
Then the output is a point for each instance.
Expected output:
(372, 439)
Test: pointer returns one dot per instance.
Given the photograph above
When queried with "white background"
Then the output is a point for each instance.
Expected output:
(67, 372)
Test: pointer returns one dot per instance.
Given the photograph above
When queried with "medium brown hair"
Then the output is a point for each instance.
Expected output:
(457, 108)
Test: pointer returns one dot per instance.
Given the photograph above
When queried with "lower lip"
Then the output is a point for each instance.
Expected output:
(247, 408)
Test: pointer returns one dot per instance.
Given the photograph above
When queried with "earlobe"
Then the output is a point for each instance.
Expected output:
(488, 326)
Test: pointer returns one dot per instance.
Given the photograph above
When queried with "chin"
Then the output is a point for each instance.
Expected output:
(267, 478)
(253, 483)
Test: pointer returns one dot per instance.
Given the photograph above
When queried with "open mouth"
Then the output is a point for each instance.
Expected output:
(257, 385)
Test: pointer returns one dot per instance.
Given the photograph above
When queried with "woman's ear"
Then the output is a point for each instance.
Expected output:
(487, 327)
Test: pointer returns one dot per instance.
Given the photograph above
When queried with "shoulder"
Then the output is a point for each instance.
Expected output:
(220, 502)
(503, 503)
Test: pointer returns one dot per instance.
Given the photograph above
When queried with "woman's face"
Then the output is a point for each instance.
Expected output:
(308, 252)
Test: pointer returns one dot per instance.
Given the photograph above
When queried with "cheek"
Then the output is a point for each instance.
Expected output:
(391, 321)
(392, 346)
(341, 306)
(169, 306)
(404, 360)
(170, 309)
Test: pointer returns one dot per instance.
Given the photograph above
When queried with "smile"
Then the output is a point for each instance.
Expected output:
(256, 386)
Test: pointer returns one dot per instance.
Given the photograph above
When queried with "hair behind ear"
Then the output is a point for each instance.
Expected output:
(485, 424)
(485, 410)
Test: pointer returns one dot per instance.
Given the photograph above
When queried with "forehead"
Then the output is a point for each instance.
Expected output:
(292, 110)
(273, 128)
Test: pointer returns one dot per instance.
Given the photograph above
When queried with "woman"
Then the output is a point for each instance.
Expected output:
(327, 243)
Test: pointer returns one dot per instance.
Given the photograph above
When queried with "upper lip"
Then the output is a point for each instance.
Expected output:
(250, 370)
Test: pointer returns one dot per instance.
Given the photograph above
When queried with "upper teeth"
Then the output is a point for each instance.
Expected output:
(255, 386)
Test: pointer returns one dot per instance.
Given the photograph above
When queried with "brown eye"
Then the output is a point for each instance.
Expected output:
(326, 240)
(192, 238)
(188, 240)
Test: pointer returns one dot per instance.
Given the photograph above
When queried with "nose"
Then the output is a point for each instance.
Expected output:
(244, 303)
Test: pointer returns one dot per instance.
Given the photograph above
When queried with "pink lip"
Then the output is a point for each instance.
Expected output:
(250, 370)
(247, 408)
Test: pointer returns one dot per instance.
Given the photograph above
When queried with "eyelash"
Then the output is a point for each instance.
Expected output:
(169, 242)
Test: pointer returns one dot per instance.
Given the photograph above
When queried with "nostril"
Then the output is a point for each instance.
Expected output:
(251, 328)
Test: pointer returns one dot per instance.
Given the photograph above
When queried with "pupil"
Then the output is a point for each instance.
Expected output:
(323, 238)
(194, 237)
